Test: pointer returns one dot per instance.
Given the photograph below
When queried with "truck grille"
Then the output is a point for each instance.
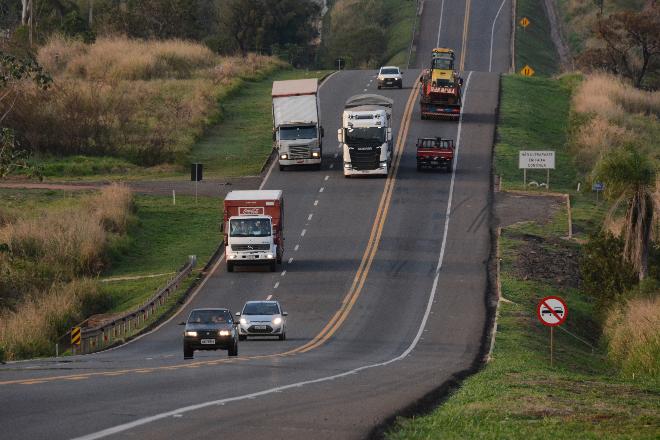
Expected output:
(250, 247)
(299, 152)
(365, 159)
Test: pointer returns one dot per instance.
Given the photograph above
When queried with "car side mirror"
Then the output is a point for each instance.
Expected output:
(182, 323)
(285, 314)
(238, 314)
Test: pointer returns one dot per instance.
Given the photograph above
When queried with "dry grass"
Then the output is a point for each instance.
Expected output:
(33, 326)
(145, 101)
(633, 333)
(112, 207)
(614, 114)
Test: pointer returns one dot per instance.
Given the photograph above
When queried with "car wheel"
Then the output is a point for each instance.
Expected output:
(187, 352)
(242, 337)
(230, 267)
(283, 337)
(233, 350)
(273, 266)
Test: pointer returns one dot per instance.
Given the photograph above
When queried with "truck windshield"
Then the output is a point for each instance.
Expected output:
(443, 64)
(300, 132)
(365, 134)
(251, 227)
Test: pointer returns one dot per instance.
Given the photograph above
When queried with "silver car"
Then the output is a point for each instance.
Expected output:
(390, 76)
(262, 318)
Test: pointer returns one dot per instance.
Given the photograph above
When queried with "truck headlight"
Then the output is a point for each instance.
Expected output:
(284, 156)
(231, 256)
(348, 165)
(383, 163)
(191, 333)
(315, 154)
(224, 333)
(269, 256)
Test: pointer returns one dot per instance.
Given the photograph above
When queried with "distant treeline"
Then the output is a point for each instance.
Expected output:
(284, 27)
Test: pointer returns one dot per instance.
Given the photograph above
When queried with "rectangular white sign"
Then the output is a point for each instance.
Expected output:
(536, 160)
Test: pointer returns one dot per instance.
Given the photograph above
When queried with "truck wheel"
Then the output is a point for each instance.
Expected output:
(272, 266)
(400, 85)
(419, 167)
(281, 167)
(378, 87)
(230, 267)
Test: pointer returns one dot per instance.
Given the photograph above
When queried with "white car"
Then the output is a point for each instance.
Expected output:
(390, 76)
(262, 318)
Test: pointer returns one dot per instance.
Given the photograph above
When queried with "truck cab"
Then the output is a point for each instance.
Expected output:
(366, 135)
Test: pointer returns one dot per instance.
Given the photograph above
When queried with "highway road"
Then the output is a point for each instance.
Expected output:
(385, 282)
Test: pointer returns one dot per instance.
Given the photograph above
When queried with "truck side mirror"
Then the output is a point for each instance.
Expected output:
(389, 133)
(322, 132)
(340, 135)
(222, 226)
(274, 136)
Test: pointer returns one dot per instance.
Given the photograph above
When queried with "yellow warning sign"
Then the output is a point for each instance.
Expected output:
(75, 336)
(524, 22)
(527, 71)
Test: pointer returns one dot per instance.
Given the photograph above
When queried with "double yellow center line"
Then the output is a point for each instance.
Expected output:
(466, 26)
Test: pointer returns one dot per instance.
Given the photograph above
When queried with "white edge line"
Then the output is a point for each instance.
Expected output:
(145, 420)
(492, 36)
(442, 11)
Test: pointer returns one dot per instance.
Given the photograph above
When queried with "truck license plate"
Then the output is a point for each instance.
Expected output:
(208, 341)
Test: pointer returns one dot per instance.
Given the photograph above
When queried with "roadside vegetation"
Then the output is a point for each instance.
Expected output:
(367, 33)
(65, 257)
(533, 44)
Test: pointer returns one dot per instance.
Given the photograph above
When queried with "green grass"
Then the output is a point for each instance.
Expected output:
(534, 46)
(241, 143)
(518, 395)
(533, 116)
(399, 32)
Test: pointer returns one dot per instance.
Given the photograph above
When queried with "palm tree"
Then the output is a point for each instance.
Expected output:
(630, 179)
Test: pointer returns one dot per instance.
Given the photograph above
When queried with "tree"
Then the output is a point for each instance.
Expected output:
(630, 179)
(630, 41)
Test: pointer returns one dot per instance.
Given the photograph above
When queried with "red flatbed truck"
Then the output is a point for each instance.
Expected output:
(435, 152)
(253, 228)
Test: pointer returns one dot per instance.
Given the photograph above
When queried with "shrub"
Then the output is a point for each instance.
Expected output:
(633, 333)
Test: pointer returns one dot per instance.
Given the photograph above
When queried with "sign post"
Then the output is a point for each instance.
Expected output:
(598, 187)
(552, 311)
(196, 175)
(536, 160)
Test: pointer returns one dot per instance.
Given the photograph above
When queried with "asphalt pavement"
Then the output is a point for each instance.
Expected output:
(385, 282)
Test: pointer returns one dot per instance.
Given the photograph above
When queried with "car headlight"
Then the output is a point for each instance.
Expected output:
(277, 321)
(244, 321)
(190, 333)
(224, 333)
(284, 156)
(315, 154)
(348, 165)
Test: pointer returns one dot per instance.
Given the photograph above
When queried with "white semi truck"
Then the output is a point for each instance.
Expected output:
(366, 135)
(297, 133)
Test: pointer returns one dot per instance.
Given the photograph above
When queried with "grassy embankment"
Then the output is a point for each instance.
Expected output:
(123, 107)
(610, 391)
(399, 32)
(533, 44)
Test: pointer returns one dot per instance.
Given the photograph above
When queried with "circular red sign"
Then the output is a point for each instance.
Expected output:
(552, 311)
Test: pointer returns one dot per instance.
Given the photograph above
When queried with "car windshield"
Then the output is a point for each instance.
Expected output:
(251, 227)
(365, 134)
(300, 132)
(443, 64)
(261, 309)
(210, 317)
(389, 71)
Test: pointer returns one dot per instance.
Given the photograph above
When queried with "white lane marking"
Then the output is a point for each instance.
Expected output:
(326, 177)
(332, 165)
(316, 202)
(269, 297)
(364, 90)
(492, 36)
(309, 217)
(302, 234)
(270, 170)
(321, 190)
(290, 260)
(283, 273)
(296, 248)
(177, 415)
(418, 337)
(277, 284)
(442, 11)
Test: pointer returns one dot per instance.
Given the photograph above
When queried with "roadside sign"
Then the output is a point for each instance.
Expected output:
(527, 71)
(538, 160)
(524, 22)
(75, 336)
(598, 186)
(552, 311)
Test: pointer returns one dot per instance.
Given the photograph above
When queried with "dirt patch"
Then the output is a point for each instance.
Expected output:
(513, 208)
(551, 260)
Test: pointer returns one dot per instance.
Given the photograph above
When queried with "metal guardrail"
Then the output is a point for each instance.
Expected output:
(119, 328)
